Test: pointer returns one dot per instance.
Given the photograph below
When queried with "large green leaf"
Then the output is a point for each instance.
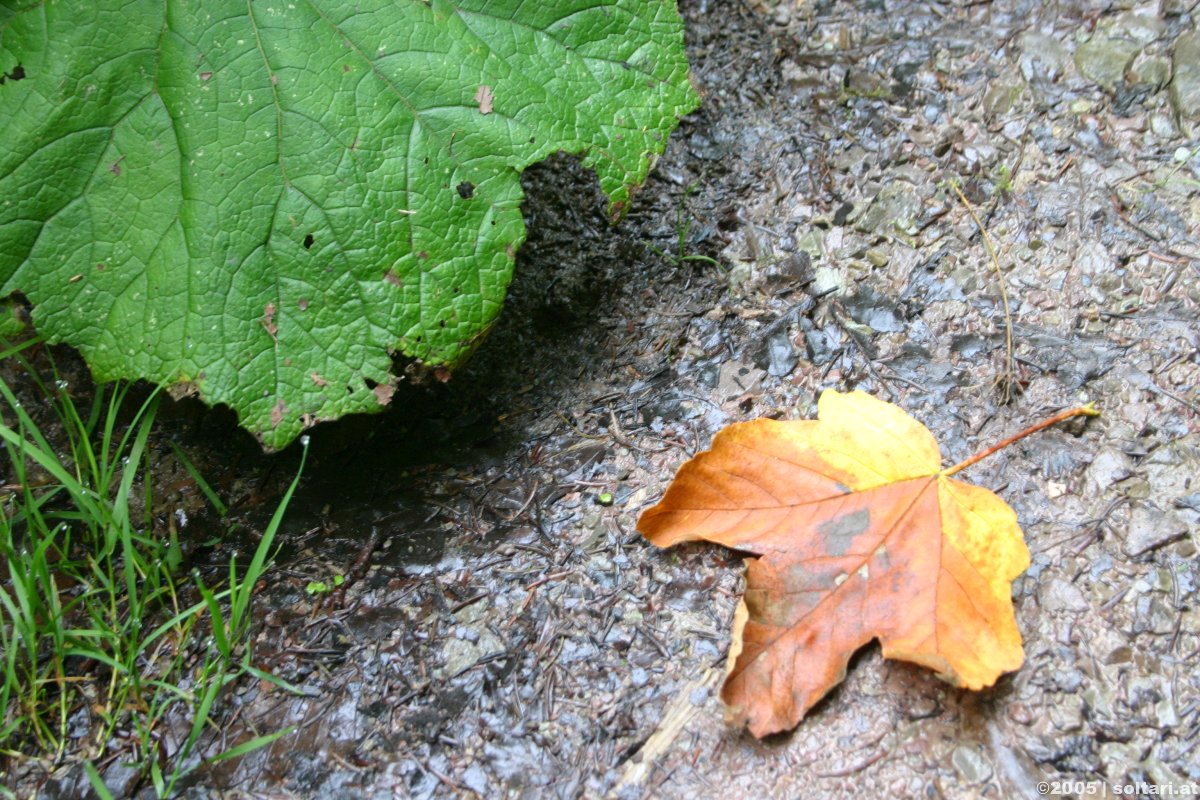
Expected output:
(262, 199)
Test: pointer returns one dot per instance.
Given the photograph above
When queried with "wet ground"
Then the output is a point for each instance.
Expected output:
(503, 631)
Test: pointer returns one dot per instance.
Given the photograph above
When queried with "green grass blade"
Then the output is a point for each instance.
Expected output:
(241, 596)
(205, 488)
(251, 745)
(96, 781)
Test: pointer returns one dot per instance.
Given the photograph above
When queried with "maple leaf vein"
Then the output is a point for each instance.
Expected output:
(886, 537)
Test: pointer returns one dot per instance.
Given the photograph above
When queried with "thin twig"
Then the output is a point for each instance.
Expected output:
(1008, 381)
(524, 507)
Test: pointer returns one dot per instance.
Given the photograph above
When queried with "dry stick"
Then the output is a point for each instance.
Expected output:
(1010, 370)
(1088, 410)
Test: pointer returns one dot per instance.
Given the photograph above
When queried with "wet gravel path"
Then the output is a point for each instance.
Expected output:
(505, 632)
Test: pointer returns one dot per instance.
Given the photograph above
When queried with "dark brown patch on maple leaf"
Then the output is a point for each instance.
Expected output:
(839, 533)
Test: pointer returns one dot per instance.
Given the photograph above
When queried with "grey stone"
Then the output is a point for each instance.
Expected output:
(1067, 714)
(1163, 126)
(121, 778)
(813, 243)
(1104, 61)
(1139, 26)
(1061, 595)
(1002, 95)
(1056, 205)
(1119, 759)
(971, 764)
(1150, 529)
(877, 257)
(896, 206)
(1093, 258)
(777, 355)
(821, 346)
(476, 780)
(791, 272)
(1042, 57)
(867, 84)
(738, 379)
(1185, 88)
(828, 280)
(877, 313)
(463, 653)
(1109, 466)
(1152, 70)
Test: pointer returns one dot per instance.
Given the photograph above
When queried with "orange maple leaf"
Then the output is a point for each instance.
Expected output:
(859, 534)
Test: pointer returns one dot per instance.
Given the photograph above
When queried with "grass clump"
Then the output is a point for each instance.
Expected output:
(102, 636)
(684, 221)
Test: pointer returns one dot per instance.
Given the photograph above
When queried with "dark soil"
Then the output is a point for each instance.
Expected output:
(503, 632)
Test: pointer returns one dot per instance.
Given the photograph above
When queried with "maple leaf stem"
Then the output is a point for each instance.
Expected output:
(1088, 410)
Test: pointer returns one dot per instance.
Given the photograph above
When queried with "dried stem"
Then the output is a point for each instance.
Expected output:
(1008, 380)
